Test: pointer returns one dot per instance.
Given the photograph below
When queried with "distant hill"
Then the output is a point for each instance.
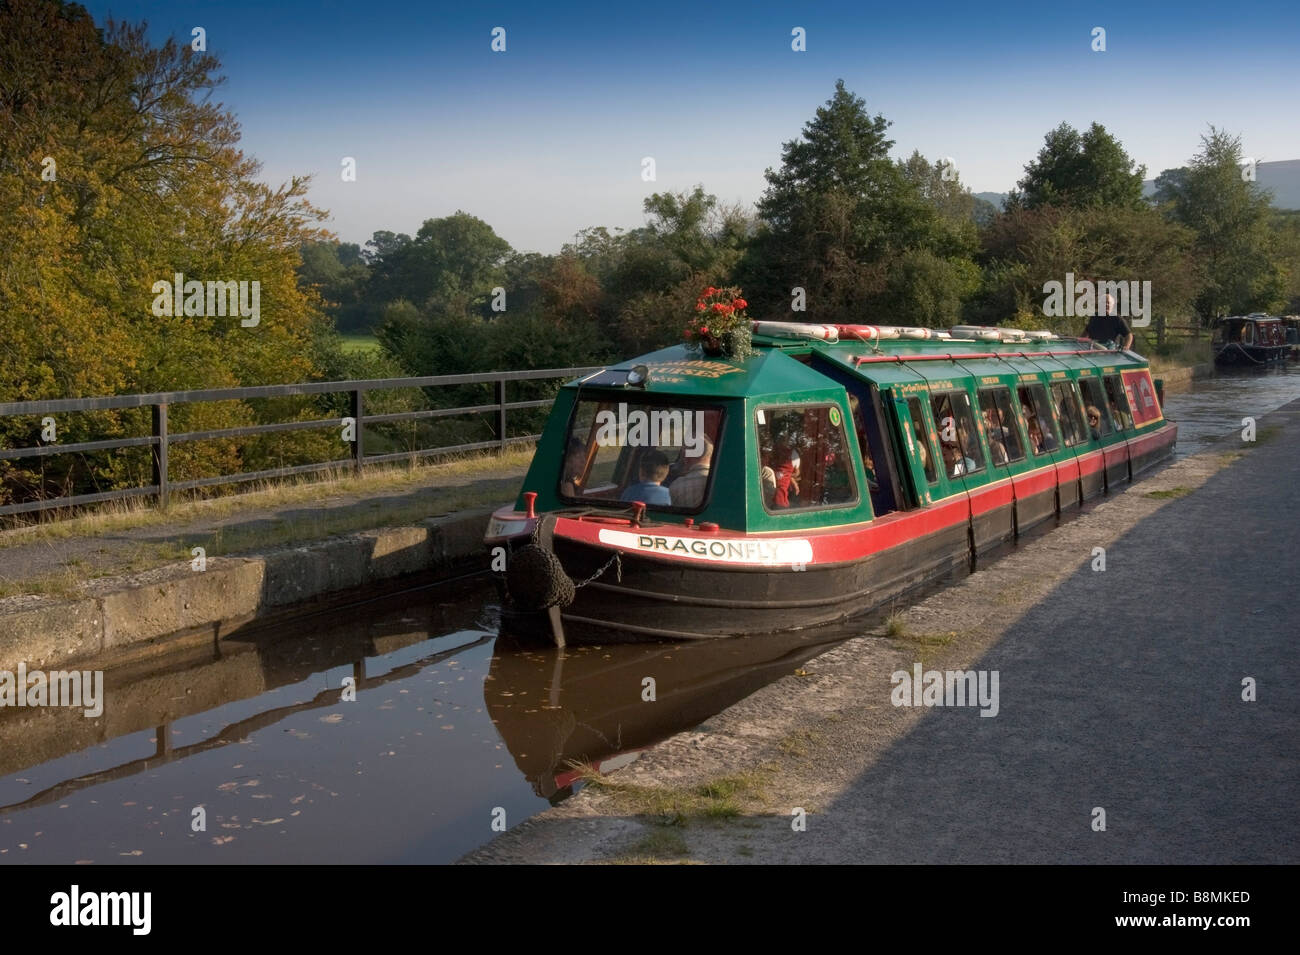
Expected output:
(1282, 177)
(996, 198)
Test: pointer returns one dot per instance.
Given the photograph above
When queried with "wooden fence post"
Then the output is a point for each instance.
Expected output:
(160, 454)
(358, 444)
(500, 387)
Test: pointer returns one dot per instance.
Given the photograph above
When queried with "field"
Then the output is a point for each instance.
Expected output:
(360, 343)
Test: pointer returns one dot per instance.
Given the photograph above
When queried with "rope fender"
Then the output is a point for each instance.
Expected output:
(536, 580)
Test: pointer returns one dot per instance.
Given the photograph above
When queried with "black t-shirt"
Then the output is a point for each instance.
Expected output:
(1107, 328)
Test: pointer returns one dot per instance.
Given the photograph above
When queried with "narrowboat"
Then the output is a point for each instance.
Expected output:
(684, 496)
(1255, 339)
(1292, 326)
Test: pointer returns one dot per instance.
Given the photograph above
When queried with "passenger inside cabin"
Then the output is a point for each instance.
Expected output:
(1035, 434)
(1094, 422)
(688, 490)
(921, 449)
(954, 461)
(783, 475)
(575, 466)
(1119, 417)
(996, 434)
(650, 490)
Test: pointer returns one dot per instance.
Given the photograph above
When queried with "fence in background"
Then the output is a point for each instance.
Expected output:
(160, 440)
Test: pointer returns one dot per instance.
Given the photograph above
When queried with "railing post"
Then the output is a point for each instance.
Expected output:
(160, 453)
(500, 385)
(358, 445)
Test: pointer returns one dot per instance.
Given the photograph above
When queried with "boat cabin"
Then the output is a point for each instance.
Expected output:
(672, 495)
(817, 433)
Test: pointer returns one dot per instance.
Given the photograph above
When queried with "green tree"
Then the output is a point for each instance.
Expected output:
(840, 216)
(1026, 248)
(1230, 216)
(452, 265)
(1080, 169)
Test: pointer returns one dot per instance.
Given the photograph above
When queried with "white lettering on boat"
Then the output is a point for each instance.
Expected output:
(733, 550)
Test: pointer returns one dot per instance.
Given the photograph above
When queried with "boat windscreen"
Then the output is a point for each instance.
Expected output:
(620, 451)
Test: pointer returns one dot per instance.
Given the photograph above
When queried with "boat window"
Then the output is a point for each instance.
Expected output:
(1000, 426)
(870, 437)
(959, 442)
(804, 458)
(1117, 403)
(617, 452)
(1040, 423)
(1066, 399)
(1094, 408)
(923, 447)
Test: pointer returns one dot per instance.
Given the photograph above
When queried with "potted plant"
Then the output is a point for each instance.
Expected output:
(721, 327)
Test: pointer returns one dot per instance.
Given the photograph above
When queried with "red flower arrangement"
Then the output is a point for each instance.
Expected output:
(723, 327)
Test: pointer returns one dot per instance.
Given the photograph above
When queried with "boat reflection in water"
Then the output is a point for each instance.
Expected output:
(256, 727)
(556, 708)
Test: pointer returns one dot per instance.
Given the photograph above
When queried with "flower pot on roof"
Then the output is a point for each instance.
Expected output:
(721, 327)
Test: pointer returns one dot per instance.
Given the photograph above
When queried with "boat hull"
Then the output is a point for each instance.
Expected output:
(1236, 354)
(852, 570)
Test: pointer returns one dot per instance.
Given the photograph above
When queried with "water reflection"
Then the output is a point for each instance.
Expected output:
(259, 734)
(1208, 409)
(592, 704)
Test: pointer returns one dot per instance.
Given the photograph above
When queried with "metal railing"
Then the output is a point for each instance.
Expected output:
(160, 440)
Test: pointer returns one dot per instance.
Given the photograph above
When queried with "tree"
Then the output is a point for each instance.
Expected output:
(1230, 216)
(840, 214)
(147, 181)
(452, 264)
(338, 274)
(1078, 170)
(1026, 248)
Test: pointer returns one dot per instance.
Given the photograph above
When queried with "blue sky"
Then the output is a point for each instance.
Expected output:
(547, 137)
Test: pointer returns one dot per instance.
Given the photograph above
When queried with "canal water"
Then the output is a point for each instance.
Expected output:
(402, 730)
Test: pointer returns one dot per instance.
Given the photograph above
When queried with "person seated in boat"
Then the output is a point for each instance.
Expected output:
(954, 461)
(1119, 417)
(922, 449)
(688, 490)
(767, 477)
(781, 477)
(997, 450)
(575, 466)
(1094, 422)
(992, 428)
(650, 490)
(1036, 434)
(869, 466)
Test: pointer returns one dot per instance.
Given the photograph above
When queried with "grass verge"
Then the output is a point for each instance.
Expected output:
(721, 798)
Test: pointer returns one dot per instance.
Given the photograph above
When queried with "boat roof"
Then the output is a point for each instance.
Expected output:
(785, 365)
(1252, 317)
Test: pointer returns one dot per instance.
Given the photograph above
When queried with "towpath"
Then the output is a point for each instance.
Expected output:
(58, 559)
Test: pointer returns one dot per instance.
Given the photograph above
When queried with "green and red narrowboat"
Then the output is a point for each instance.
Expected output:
(679, 495)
